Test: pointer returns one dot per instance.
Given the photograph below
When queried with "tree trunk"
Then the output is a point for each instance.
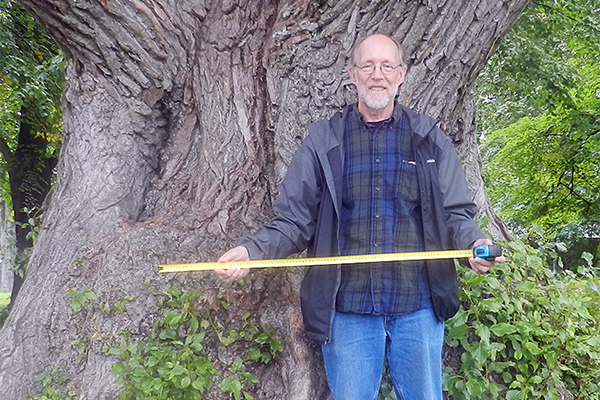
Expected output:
(180, 119)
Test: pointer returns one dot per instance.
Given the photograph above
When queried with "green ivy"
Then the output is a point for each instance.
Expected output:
(526, 333)
(57, 385)
(80, 299)
(179, 360)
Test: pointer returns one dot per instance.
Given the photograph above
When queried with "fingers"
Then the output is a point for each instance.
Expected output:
(232, 274)
(239, 253)
(481, 242)
(482, 265)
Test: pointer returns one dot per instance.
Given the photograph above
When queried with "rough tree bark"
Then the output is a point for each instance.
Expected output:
(180, 118)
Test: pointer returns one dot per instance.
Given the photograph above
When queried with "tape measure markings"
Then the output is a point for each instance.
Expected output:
(307, 262)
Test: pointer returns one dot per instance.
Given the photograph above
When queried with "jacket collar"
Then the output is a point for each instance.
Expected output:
(420, 125)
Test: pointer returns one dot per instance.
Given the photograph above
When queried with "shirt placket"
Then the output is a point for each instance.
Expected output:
(377, 214)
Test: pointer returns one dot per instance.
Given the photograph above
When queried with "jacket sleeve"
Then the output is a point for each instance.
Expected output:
(296, 209)
(457, 200)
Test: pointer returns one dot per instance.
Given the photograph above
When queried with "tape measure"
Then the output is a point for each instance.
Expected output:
(489, 252)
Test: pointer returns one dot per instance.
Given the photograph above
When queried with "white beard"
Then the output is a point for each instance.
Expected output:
(377, 100)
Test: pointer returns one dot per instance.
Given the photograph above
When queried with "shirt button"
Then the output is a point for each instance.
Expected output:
(377, 216)
(377, 160)
(377, 188)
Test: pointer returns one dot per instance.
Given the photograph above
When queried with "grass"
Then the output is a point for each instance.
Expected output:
(4, 299)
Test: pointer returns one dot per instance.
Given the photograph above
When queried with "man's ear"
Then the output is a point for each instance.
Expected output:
(402, 75)
(352, 73)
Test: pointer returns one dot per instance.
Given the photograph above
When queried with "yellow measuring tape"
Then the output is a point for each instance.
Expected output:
(310, 262)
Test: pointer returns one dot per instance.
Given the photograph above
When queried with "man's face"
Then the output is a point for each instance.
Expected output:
(377, 89)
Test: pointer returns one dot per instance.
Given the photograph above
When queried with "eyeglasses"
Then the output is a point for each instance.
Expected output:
(368, 69)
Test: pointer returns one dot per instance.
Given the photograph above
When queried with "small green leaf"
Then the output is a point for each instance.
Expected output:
(178, 370)
(185, 382)
(474, 388)
(503, 329)
(525, 286)
(594, 341)
(533, 348)
(237, 364)
(514, 395)
(231, 385)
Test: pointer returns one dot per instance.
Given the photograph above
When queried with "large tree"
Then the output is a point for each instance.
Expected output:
(180, 118)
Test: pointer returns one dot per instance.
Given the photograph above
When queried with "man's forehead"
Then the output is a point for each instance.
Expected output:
(377, 48)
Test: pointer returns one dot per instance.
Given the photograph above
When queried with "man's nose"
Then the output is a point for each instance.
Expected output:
(378, 72)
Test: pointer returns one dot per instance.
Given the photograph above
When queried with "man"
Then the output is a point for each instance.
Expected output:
(375, 178)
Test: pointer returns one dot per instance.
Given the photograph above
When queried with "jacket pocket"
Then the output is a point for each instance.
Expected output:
(408, 185)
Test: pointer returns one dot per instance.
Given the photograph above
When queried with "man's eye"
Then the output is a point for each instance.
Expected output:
(367, 69)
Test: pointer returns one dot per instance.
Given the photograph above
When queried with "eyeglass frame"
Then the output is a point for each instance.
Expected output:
(381, 67)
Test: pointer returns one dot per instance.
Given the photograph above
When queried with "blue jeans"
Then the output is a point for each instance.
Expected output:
(411, 343)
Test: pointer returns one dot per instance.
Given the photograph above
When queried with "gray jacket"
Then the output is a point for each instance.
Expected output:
(308, 209)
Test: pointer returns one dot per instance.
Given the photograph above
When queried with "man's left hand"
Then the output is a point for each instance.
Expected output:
(482, 265)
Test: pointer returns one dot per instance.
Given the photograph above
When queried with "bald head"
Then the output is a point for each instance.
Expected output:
(377, 40)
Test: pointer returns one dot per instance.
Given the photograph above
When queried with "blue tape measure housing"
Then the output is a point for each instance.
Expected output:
(489, 252)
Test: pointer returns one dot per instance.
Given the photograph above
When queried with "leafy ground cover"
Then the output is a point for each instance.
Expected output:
(526, 333)
(4, 299)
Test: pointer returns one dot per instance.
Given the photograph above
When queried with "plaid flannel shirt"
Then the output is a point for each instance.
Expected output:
(381, 214)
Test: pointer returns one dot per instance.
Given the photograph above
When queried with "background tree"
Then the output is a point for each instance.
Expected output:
(179, 120)
(31, 83)
(542, 124)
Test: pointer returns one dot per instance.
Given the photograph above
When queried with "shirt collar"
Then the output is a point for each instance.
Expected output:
(396, 116)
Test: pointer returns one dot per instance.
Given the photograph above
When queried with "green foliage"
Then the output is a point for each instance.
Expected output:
(117, 306)
(525, 333)
(546, 171)
(4, 301)
(80, 299)
(32, 226)
(553, 47)
(539, 103)
(33, 223)
(179, 360)
(386, 391)
(31, 84)
(56, 385)
(31, 68)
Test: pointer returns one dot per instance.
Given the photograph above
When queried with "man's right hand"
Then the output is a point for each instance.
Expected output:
(239, 253)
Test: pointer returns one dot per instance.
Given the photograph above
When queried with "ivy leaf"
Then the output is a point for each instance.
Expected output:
(514, 395)
(474, 388)
(232, 385)
(480, 352)
(503, 329)
(178, 370)
(525, 286)
(594, 342)
(185, 382)
(593, 286)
